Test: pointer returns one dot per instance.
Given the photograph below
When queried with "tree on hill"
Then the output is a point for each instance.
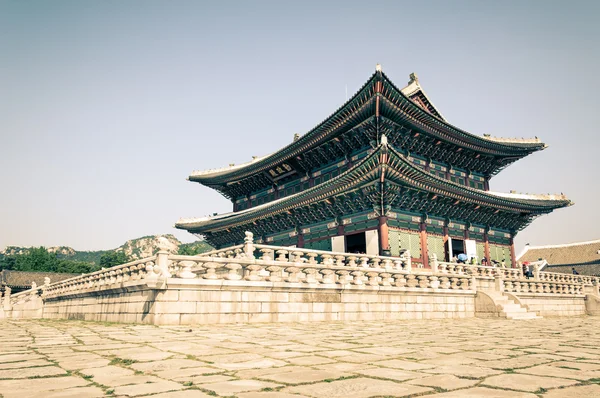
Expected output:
(192, 249)
(40, 260)
(111, 259)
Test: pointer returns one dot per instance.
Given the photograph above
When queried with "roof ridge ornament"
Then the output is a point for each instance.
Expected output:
(378, 68)
(384, 140)
(413, 78)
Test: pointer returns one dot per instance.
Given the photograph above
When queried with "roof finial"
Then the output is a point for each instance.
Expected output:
(378, 68)
(413, 78)
(384, 140)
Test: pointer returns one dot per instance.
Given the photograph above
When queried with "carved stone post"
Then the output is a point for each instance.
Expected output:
(249, 244)
(433, 262)
(536, 272)
(162, 257)
(7, 292)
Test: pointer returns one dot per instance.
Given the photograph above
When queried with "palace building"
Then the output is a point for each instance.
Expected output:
(383, 174)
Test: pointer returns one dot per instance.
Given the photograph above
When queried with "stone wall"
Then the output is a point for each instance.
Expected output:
(183, 304)
(548, 305)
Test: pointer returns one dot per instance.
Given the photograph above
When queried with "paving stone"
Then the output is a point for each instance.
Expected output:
(237, 386)
(26, 373)
(171, 364)
(517, 363)
(148, 388)
(20, 389)
(592, 390)
(463, 371)
(386, 373)
(19, 357)
(526, 382)
(404, 365)
(356, 388)
(79, 392)
(447, 382)
(310, 360)
(344, 366)
(274, 394)
(303, 376)
(25, 364)
(554, 371)
(183, 394)
(144, 354)
(482, 392)
(197, 380)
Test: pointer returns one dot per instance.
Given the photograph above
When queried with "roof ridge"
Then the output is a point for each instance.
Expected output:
(589, 242)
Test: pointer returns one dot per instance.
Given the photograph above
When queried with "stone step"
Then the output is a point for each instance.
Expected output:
(513, 308)
(526, 315)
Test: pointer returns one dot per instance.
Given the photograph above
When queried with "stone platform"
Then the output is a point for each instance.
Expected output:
(473, 357)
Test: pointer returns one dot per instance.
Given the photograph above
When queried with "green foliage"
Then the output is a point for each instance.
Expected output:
(110, 259)
(194, 248)
(40, 260)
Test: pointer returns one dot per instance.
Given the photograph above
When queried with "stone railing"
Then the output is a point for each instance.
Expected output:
(312, 268)
(149, 270)
(10, 300)
(533, 286)
(304, 267)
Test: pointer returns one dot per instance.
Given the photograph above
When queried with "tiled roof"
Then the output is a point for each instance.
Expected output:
(582, 253)
(22, 279)
(584, 269)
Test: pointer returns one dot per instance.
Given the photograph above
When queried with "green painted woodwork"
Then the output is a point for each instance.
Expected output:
(358, 226)
(323, 244)
(480, 246)
(435, 245)
(499, 253)
(403, 239)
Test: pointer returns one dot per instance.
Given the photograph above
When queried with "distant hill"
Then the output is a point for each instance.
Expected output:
(145, 246)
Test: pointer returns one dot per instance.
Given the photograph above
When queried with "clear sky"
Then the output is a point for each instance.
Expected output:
(107, 106)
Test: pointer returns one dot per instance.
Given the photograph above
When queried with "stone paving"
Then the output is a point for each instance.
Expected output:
(449, 358)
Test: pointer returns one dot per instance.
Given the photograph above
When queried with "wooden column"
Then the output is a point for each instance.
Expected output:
(486, 184)
(446, 253)
(512, 253)
(424, 251)
(384, 237)
(340, 230)
(486, 246)
(300, 243)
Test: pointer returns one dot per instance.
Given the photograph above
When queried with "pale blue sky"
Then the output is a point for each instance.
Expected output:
(107, 106)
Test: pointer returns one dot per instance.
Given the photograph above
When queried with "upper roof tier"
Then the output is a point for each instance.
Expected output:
(406, 116)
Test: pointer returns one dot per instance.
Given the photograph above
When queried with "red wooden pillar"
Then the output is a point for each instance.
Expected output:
(340, 230)
(512, 253)
(486, 184)
(486, 246)
(384, 236)
(300, 243)
(446, 252)
(424, 252)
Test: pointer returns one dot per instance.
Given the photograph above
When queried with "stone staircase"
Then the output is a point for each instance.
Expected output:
(507, 308)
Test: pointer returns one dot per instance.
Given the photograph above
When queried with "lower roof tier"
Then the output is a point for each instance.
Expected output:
(385, 181)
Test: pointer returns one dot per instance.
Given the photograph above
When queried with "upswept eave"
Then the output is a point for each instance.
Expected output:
(432, 123)
(397, 168)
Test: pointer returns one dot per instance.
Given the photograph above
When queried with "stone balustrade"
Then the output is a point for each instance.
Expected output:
(145, 270)
(249, 263)
(537, 286)
(310, 268)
